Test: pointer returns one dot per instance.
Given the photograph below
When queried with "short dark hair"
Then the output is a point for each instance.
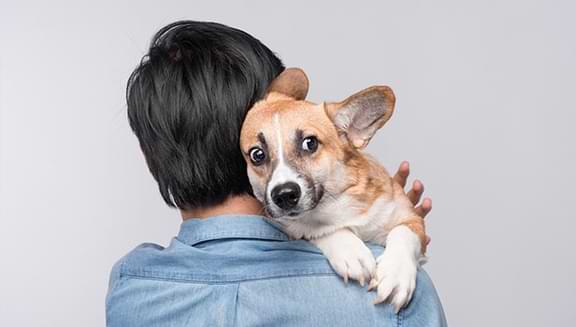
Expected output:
(186, 103)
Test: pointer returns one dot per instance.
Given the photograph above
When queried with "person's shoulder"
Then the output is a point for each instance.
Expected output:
(425, 304)
(347, 304)
(224, 261)
(139, 253)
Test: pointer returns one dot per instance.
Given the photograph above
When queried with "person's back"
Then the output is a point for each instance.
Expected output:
(242, 271)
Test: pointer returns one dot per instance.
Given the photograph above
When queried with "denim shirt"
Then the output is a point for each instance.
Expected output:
(243, 271)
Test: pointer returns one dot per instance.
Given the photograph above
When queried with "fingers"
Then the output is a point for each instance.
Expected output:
(424, 208)
(402, 173)
(416, 192)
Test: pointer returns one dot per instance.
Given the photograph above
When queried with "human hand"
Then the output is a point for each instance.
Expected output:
(415, 193)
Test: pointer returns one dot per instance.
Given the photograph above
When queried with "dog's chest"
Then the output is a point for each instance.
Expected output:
(372, 224)
(378, 221)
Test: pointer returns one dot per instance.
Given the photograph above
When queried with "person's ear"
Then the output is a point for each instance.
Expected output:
(362, 114)
(292, 82)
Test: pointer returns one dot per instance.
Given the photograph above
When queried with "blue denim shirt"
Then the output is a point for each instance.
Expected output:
(243, 271)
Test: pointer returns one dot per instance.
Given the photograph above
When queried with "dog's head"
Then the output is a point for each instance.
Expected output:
(300, 153)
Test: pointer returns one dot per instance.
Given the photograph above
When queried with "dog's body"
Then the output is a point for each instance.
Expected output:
(306, 166)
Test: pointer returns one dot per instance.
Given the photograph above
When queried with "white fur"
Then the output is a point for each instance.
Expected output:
(396, 268)
(348, 255)
(339, 231)
(283, 172)
(340, 213)
(338, 228)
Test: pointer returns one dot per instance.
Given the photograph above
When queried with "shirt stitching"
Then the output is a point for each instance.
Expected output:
(400, 318)
(225, 281)
(198, 238)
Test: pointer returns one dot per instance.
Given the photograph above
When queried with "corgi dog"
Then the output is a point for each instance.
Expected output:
(306, 165)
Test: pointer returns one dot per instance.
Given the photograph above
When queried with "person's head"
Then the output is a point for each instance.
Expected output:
(186, 103)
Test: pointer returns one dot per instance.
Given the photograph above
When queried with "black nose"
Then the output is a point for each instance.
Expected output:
(286, 195)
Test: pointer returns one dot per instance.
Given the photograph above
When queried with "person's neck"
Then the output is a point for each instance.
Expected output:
(234, 205)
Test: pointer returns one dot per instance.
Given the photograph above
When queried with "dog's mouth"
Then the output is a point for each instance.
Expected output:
(307, 202)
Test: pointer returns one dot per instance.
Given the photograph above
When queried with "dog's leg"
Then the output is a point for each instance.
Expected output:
(396, 268)
(348, 255)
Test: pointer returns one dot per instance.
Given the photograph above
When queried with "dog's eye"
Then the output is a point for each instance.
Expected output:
(310, 144)
(257, 156)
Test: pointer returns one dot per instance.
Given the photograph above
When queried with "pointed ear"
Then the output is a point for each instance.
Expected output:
(362, 114)
(292, 82)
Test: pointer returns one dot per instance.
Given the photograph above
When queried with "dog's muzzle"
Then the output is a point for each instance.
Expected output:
(286, 196)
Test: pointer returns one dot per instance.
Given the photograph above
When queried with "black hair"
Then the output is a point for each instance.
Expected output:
(186, 103)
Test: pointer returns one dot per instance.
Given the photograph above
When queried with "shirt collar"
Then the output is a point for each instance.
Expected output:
(194, 231)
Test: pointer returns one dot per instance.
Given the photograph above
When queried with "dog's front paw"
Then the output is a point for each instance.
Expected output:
(353, 262)
(348, 255)
(395, 279)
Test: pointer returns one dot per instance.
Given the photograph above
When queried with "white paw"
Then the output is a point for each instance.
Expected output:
(395, 278)
(353, 263)
(348, 255)
(352, 260)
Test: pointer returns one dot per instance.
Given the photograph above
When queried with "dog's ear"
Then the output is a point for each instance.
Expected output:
(292, 82)
(362, 114)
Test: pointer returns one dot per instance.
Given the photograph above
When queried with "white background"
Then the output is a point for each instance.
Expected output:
(485, 113)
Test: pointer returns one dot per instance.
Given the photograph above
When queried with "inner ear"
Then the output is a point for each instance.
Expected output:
(292, 82)
(362, 114)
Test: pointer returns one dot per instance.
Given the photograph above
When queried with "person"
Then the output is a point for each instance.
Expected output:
(228, 266)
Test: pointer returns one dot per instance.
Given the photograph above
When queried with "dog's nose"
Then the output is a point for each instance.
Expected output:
(286, 195)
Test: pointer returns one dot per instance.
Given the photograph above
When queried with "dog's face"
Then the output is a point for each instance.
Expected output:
(291, 151)
(300, 154)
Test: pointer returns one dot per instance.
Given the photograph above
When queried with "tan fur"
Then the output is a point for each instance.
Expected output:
(365, 179)
(370, 181)
(416, 224)
(293, 114)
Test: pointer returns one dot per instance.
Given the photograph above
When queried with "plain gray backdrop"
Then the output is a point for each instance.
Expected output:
(485, 114)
